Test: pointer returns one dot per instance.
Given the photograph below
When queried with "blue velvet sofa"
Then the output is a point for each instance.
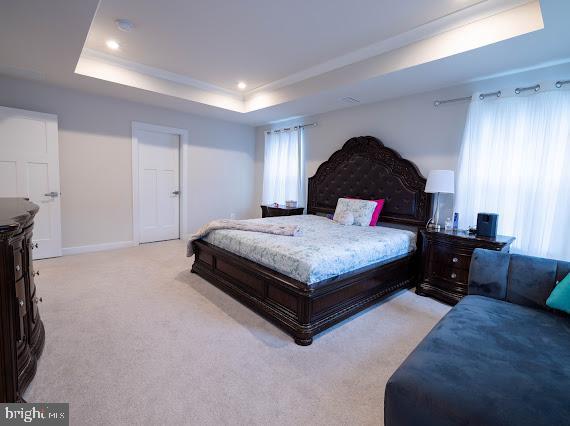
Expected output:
(499, 357)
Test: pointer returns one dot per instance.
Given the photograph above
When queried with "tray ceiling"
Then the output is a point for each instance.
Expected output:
(296, 57)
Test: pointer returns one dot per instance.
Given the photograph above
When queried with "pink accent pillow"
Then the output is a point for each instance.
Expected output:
(377, 210)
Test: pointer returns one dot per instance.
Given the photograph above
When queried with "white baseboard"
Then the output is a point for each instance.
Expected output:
(97, 247)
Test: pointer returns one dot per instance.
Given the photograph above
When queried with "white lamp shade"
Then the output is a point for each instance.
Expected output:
(441, 181)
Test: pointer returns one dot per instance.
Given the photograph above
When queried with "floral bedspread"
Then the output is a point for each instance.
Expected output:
(324, 248)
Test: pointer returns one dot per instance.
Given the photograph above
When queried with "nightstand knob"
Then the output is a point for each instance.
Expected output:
(455, 260)
(453, 275)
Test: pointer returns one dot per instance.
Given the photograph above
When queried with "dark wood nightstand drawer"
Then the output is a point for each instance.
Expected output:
(451, 258)
(449, 272)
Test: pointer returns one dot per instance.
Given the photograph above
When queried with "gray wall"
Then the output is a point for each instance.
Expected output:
(95, 160)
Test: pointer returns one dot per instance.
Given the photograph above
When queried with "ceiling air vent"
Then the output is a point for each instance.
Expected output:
(350, 100)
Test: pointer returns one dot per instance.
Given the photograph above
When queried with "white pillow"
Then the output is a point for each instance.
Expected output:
(361, 210)
(344, 218)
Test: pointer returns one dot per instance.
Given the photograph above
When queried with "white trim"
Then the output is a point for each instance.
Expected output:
(183, 157)
(67, 251)
(34, 114)
(158, 72)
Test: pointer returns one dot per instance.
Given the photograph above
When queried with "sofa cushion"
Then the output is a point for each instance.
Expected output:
(486, 362)
(489, 272)
(531, 280)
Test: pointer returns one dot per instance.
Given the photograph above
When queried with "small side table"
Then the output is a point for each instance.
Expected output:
(446, 261)
(271, 211)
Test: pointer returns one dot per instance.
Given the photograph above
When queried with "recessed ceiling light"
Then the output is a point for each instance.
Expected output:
(112, 44)
(241, 85)
(124, 25)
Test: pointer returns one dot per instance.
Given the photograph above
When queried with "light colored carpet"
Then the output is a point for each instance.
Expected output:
(132, 337)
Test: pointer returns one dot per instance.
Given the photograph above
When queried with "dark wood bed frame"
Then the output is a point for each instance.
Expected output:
(363, 168)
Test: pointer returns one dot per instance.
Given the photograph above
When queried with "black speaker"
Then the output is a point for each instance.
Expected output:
(487, 224)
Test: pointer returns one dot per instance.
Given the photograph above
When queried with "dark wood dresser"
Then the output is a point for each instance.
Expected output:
(22, 331)
(271, 211)
(446, 261)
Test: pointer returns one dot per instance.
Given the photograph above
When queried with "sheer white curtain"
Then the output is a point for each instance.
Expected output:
(283, 170)
(515, 161)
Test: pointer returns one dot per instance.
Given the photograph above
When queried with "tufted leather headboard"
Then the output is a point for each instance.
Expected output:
(365, 168)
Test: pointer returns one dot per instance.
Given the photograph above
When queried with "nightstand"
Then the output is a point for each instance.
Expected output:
(270, 211)
(446, 260)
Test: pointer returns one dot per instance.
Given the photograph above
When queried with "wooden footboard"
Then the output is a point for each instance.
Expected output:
(302, 312)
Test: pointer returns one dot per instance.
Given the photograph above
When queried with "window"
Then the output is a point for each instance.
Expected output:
(283, 171)
(514, 161)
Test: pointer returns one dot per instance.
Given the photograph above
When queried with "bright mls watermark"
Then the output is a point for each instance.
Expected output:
(56, 414)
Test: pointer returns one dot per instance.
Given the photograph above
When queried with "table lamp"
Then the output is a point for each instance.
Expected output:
(439, 182)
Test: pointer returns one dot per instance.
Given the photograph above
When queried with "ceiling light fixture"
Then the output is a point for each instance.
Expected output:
(112, 44)
(125, 25)
(241, 85)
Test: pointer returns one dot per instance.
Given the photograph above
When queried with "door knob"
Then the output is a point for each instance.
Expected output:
(53, 194)
(175, 192)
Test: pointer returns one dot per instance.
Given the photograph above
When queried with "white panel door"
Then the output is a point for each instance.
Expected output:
(29, 167)
(159, 191)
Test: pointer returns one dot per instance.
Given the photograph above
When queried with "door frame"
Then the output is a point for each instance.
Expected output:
(183, 177)
(52, 133)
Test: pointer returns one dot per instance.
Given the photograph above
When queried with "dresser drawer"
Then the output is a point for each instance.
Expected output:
(450, 273)
(18, 265)
(451, 258)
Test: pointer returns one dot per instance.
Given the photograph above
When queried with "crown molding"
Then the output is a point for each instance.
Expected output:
(158, 73)
(479, 11)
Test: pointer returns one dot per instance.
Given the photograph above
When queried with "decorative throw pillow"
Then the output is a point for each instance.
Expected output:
(345, 218)
(361, 210)
(560, 297)
(377, 210)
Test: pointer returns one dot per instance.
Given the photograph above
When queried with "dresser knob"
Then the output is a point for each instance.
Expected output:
(38, 299)
(455, 260)
(18, 268)
(20, 302)
(454, 275)
(34, 245)
(36, 273)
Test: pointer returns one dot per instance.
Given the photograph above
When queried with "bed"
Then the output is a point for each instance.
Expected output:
(307, 284)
